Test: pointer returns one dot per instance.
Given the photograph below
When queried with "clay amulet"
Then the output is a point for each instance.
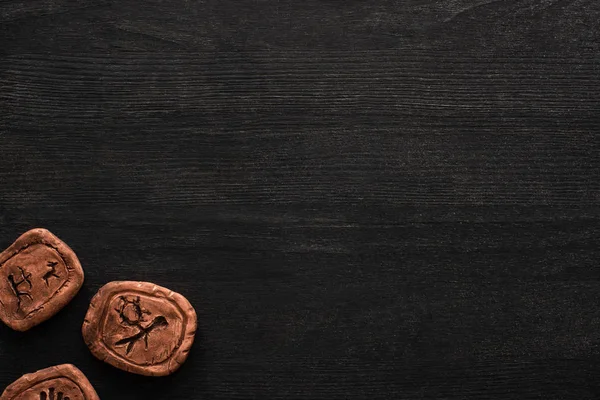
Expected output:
(39, 275)
(140, 327)
(63, 382)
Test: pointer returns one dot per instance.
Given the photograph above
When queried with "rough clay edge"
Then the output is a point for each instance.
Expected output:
(65, 370)
(92, 319)
(70, 289)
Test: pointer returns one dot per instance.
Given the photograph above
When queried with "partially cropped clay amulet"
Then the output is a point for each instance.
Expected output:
(63, 382)
(140, 327)
(39, 275)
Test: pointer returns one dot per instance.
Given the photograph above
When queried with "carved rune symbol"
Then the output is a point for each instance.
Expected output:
(16, 285)
(132, 314)
(44, 396)
(52, 273)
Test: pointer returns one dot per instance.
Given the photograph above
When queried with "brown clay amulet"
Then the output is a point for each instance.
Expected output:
(140, 327)
(39, 275)
(63, 382)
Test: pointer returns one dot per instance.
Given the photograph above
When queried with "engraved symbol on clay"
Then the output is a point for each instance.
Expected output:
(52, 273)
(39, 275)
(62, 382)
(16, 286)
(133, 314)
(59, 396)
(140, 327)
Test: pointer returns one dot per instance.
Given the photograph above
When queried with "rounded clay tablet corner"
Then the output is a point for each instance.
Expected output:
(140, 327)
(39, 275)
(62, 382)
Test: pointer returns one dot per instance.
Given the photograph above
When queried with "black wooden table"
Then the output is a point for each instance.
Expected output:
(362, 199)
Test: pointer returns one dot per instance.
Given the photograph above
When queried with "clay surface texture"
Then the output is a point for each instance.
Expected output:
(39, 275)
(140, 327)
(63, 382)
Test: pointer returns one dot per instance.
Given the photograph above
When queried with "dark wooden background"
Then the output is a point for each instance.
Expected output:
(362, 199)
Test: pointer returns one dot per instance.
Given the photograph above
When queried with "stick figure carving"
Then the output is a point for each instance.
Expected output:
(39, 275)
(52, 273)
(132, 314)
(16, 285)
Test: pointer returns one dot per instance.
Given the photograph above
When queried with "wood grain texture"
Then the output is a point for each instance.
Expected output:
(383, 199)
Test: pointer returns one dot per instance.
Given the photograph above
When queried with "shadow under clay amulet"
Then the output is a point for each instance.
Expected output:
(39, 275)
(140, 327)
(63, 382)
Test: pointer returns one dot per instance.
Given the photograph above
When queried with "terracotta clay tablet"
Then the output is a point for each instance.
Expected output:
(140, 327)
(63, 382)
(39, 275)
